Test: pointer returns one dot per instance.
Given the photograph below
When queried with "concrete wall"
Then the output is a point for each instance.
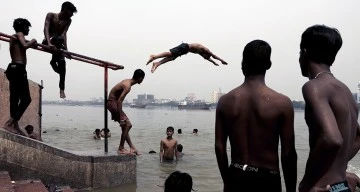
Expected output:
(32, 115)
(26, 158)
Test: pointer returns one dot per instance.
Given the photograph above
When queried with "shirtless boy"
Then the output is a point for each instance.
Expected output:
(255, 118)
(183, 49)
(20, 97)
(55, 30)
(114, 104)
(168, 146)
(30, 131)
(331, 112)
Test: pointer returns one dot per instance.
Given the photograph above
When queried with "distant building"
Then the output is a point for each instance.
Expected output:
(215, 96)
(144, 98)
(150, 97)
(141, 97)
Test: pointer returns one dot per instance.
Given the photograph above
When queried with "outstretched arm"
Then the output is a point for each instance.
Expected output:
(221, 136)
(48, 18)
(65, 34)
(288, 152)
(212, 61)
(125, 91)
(218, 58)
(329, 140)
(23, 42)
(356, 146)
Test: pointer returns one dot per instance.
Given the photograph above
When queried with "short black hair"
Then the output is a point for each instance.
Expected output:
(97, 130)
(256, 57)
(138, 73)
(321, 43)
(69, 6)
(195, 130)
(179, 131)
(179, 147)
(20, 23)
(178, 182)
(170, 128)
(29, 128)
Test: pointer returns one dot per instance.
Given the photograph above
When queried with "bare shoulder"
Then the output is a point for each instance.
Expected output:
(50, 15)
(281, 101)
(311, 90)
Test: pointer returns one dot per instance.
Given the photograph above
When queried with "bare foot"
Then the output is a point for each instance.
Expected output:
(152, 58)
(155, 65)
(62, 94)
(10, 126)
(224, 62)
(135, 151)
(123, 152)
(17, 127)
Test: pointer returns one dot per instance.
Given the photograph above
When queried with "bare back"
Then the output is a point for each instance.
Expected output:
(17, 51)
(56, 26)
(119, 88)
(338, 104)
(253, 116)
(198, 48)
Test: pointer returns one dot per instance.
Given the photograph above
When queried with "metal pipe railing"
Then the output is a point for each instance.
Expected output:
(82, 58)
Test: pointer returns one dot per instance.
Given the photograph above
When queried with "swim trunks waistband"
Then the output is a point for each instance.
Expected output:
(340, 187)
(250, 168)
(17, 65)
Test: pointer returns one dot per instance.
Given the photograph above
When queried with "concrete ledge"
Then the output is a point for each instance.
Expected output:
(26, 158)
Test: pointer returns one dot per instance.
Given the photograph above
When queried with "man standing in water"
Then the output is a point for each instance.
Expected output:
(330, 113)
(254, 116)
(16, 73)
(55, 31)
(114, 104)
(168, 146)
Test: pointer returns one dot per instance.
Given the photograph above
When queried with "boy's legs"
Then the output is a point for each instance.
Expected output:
(19, 90)
(161, 55)
(124, 132)
(128, 140)
(14, 99)
(62, 74)
(157, 64)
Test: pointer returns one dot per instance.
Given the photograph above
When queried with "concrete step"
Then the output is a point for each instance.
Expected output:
(5, 182)
(29, 186)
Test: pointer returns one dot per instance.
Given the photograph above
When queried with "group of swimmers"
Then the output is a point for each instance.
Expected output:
(252, 116)
(100, 134)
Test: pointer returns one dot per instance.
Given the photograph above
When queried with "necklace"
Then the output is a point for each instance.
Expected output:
(328, 72)
(58, 19)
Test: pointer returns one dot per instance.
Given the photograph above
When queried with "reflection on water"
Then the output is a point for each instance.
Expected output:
(71, 128)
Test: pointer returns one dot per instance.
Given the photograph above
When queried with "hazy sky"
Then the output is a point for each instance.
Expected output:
(127, 32)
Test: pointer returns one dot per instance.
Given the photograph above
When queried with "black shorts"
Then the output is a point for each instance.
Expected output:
(253, 179)
(181, 49)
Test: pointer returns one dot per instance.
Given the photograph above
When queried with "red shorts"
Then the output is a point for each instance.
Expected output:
(112, 106)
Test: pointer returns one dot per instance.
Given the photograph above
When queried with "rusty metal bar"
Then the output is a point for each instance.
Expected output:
(75, 56)
(86, 59)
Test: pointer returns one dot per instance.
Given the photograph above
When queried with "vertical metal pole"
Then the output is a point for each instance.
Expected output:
(105, 107)
(40, 108)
